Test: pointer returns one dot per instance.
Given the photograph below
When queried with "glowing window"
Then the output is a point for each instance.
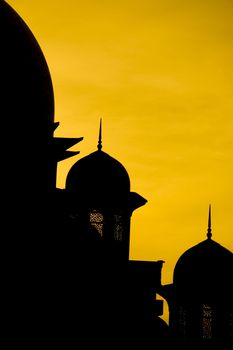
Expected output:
(96, 221)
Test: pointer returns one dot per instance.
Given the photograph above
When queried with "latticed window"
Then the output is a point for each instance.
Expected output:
(118, 228)
(207, 317)
(96, 221)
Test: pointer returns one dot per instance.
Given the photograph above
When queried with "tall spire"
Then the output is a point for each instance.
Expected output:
(209, 234)
(99, 146)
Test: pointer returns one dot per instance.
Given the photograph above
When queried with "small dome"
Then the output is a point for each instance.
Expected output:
(205, 266)
(98, 177)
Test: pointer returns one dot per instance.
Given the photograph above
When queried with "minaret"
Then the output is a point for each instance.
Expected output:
(209, 234)
(99, 146)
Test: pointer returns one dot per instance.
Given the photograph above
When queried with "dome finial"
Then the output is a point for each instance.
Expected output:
(209, 234)
(99, 146)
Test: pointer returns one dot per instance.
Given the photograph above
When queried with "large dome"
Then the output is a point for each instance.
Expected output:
(27, 112)
(206, 267)
(27, 100)
(98, 177)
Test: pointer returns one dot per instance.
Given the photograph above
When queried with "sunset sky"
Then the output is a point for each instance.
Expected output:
(160, 75)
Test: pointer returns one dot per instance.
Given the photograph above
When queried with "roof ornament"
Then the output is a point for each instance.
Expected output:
(209, 234)
(99, 146)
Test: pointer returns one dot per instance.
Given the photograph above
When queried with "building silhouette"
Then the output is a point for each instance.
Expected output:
(68, 274)
(29, 157)
(95, 211)
(200, 298)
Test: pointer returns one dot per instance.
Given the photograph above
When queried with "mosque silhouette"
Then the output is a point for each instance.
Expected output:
(70, 279)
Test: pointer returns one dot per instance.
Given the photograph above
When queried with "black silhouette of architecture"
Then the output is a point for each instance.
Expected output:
(69, 278)
(200, 298)
(68, 271)
(100, 206)
(30, 153)
(27, 111)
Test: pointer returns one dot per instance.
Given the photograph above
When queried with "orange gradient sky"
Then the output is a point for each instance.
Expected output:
(160, 74)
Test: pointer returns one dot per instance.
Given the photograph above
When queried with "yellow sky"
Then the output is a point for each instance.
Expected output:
(160, 74)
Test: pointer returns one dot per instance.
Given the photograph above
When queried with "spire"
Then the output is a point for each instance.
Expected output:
(99, 146)
(209, 234)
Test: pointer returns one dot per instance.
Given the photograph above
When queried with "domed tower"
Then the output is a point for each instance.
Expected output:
(102, 203)
(201, 304)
